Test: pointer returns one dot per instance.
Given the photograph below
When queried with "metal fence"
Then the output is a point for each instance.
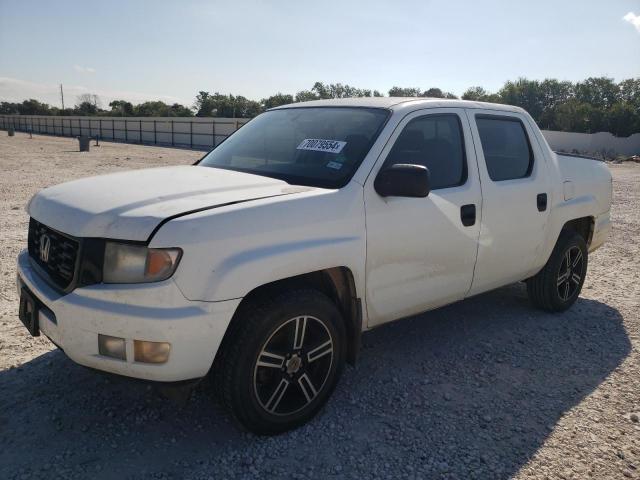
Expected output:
(190, 132)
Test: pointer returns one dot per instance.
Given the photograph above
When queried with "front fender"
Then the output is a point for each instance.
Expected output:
(231, 251)
(238, 274)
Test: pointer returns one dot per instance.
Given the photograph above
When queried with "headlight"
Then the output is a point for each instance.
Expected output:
(127, 263)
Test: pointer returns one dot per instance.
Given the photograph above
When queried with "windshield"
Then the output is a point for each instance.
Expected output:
(315, 146)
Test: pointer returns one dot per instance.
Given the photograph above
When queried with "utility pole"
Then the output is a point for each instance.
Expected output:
(62, 96)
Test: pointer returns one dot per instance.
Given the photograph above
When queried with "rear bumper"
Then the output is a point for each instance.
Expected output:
(601, 230)
(156, 312)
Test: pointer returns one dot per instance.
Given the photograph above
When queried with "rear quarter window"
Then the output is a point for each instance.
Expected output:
(506, 147)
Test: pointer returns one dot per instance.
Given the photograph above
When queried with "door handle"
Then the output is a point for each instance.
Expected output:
(542, 202)
(468, 215)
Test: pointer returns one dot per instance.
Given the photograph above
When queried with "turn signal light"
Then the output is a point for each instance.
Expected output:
(159, 263)
(151, 352)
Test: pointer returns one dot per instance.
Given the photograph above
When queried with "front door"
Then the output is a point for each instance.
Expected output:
(421, 252)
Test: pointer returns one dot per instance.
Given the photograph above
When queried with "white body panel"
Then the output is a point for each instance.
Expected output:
(239, 232)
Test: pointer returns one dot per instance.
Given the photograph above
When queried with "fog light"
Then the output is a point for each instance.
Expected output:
(151, 352)
(113, 347)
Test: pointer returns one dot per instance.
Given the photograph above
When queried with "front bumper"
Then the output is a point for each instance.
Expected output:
(156, 312)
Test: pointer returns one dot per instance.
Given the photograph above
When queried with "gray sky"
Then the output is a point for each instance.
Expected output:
(169, 50)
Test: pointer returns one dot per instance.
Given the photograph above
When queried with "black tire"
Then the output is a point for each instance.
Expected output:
(557, 286)
(269, 395)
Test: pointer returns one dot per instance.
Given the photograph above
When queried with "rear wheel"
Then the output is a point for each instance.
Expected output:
(557, 286)
(282, 361)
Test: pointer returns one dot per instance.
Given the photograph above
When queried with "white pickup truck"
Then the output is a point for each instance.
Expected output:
(262, 264)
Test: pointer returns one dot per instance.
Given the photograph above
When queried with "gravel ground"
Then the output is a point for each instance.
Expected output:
(487, 388)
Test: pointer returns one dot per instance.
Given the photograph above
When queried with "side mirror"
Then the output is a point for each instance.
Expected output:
(403, 180)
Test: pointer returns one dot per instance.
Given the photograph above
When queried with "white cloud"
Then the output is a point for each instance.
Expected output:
(17, 90)
(81, 69)
(633, 19)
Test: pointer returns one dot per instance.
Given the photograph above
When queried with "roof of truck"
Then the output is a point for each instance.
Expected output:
(395, 103)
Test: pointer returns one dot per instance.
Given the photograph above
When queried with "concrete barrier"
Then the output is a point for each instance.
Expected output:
(595, 143)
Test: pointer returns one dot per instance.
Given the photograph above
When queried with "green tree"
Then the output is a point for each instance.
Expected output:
(34, 107)
(121, 108)
(323, 91)
(27, 107)
(306, 96)
(433, 92)
(218, 105)
(404, 92)
(576, 116)
(85, 109)
(338, 90)
(437, 93)
(630, 92)
(178, 110)
(160, 109)
(334, 90)
(243, 107)
(524, 93)
(276, 100)
(598, 92)
(554, 93)
(150, 109)
(9, 108)
(91, 98)
(204, 104)
(479, 94)
(622, 119)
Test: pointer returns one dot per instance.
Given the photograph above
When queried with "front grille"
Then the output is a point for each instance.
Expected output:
(60, 263)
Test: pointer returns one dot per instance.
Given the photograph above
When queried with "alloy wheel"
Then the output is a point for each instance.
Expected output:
(570, 273)
(293, 365)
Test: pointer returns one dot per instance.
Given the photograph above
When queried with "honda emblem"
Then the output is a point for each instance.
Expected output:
(45, 246)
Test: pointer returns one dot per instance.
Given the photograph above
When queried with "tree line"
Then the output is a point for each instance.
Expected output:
(593, 105)
(90, 105)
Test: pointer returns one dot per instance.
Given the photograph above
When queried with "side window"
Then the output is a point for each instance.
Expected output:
(506, 147)
(437, 142)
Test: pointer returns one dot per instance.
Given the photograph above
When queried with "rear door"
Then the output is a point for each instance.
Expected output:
(421, 251)
(515, 197)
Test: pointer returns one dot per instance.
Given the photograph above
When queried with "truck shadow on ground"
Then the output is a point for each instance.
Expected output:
(468, 391)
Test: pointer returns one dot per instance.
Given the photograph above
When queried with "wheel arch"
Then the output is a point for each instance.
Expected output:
(584, 226)
(337, 283)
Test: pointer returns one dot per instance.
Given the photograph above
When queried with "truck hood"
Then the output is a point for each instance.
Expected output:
(130, 205)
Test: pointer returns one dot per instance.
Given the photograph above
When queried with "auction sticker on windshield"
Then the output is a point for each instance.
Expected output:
(320, 145)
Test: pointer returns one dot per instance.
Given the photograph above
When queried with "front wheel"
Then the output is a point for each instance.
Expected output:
(557, 286)
(282, 361)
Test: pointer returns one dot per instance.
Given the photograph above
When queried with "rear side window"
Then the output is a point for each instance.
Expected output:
(437, 142)
(506, 147)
